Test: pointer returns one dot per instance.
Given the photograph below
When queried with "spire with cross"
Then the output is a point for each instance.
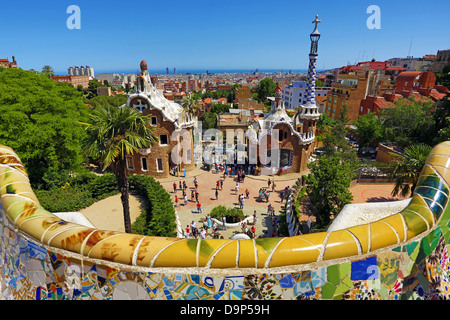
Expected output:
(317, 20)
(315, 36)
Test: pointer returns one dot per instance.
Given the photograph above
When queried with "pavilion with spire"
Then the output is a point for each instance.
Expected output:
(166, 117)
(296, 134)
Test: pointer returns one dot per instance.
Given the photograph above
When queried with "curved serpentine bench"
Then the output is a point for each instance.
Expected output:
(423, 213)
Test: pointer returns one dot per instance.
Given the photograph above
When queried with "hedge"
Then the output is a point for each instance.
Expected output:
(79, 192)
(158, 218)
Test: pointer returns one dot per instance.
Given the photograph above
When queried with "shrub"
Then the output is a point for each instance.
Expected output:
(158, 219)
(78, 192)
(103, 186)
(64, 199)
(232, 214)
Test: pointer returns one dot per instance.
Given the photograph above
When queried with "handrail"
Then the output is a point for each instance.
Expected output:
(425, 210)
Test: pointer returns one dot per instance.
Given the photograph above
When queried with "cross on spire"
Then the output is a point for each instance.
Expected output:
(317, 20)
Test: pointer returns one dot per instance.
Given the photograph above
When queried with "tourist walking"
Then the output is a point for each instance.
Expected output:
(217, 194)
(224, 223)
(175, 187)
(247, 193)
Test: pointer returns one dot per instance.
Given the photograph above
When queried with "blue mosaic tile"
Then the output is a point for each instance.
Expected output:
(364, 269)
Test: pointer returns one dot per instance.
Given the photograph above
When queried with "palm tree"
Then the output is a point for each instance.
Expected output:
(190, 105)
(47, 69)
(112, 135)
(407, 169)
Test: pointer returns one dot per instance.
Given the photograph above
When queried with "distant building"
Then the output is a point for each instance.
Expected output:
(410, 80)
(82, 80)
(6, 64)
(355, 82)
(413, 64)
(421, 86)
(442, 60)
(294, 94)
(83, 70)
(104, 91)
(245, 101)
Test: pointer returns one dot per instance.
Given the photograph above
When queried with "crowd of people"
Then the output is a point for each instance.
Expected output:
(209, 228)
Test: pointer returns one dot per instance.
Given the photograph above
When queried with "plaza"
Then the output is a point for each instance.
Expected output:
(107, 214)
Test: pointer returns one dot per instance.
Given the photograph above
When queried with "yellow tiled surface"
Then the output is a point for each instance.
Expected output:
(149, 247)
(246, 253)
(119, 248)
(180, 254)
(224, 258)
(362, 234)
(298, 250)
(382, 235)
(207, 248)
(340, 244)
(397, 223)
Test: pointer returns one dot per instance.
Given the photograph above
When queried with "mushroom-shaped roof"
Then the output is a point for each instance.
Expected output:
(143, 65)
(278, 89)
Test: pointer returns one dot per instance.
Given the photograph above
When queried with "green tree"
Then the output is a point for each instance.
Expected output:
(38, 119)
(112, 135)
(327, 187)
(441, 116)
(266, 88)
(335, 142)
(409, 121)
(407, 170)
(48, 70)
(191, 105)
(443, 77)
(368, 129)
(209, 120)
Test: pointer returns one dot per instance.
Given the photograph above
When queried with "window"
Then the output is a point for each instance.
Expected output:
(159, 165)
(130, 164)
(188, 156)
(154, 121)
(144, 164)
(163, 139)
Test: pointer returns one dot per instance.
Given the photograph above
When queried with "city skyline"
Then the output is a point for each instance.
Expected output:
(197, 35)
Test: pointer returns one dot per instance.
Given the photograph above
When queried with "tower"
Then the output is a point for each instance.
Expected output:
(309, 112)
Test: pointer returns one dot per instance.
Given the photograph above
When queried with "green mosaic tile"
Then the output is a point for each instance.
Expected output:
(412, 249)
(328, 290)
(333, 274)
(345, 269)
(425, 247)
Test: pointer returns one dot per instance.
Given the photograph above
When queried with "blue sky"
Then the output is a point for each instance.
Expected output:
(232, 34)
